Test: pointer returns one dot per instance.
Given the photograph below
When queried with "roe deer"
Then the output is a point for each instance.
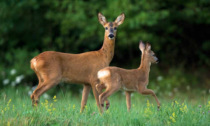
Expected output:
(52, 67)
(114, 78)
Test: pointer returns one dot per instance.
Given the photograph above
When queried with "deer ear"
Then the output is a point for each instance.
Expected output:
(148, 46)
(141, 46)
(102, 19)
(120, 19)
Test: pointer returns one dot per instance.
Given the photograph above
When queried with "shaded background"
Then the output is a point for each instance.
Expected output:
(177, 30)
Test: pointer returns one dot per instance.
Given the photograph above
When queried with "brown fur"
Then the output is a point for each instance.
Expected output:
(114, 78)
(52, 67)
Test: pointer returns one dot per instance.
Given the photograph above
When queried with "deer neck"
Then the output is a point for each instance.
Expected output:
(108, 48)
(145, 65)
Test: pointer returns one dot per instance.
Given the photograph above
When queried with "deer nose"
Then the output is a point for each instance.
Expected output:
(156, 60)
(111, 36)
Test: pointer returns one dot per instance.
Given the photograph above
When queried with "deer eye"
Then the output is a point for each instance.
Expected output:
(115, 28)
(106, 28)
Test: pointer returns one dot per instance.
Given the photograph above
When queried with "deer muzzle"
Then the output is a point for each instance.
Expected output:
(111, 36)
(156, 60)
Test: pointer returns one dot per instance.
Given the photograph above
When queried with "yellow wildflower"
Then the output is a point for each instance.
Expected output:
(46, 104)
(176, 103)
(13, 107)
(173, 114)
(74, 106)
(54, 98)
(172, 119)
(147, 111)
(8, 123)
(32, 120)
(69, 106)
(7, 108)
(184, 108)
(208, 105)
(46, 101)
(152, 105)
(51, 105)
(148, 104)
(107, 111)
(9, 102)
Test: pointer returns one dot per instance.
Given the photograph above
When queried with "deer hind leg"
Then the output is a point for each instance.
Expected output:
(49, 80)
(85, 93)
(150, 92)
(106, 94)
(107, 104)
(39, 84)
(99, 88)
(43, 88)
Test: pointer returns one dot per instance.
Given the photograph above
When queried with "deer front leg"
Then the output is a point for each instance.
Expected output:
(128, 100)
(96, 95)
(150, 92)
(85, 93)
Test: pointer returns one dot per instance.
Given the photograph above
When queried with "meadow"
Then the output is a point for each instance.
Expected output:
(64, 109)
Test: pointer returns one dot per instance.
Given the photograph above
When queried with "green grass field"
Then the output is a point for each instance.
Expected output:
(64, 109)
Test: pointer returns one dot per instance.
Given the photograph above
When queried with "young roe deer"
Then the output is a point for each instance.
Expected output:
(52, 67)
(114, 78)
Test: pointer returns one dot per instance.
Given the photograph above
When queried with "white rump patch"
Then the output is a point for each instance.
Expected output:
(103, 73)
(34, 63)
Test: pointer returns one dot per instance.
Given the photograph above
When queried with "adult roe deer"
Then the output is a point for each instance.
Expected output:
(114, 78)
(52, 67)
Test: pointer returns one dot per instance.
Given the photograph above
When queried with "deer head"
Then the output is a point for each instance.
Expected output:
(111, 27)
(147, 54)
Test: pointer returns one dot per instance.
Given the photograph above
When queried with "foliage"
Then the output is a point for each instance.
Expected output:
(177, 30)
(65, 111)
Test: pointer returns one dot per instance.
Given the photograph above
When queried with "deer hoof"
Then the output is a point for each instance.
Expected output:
(158, 108)
(35, 103)
(107, 106)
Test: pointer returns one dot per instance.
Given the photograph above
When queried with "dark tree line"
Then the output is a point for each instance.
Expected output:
(177, 30)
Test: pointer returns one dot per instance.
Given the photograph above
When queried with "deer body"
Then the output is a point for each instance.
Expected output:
(114, 78)
(52, 67)
(128, 80)
(74, 68)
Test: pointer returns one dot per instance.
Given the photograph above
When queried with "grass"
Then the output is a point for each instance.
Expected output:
(64, 109)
